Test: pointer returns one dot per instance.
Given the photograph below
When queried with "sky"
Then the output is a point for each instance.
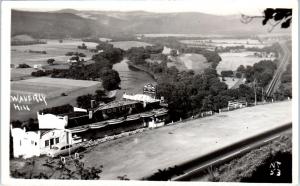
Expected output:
(217, 7)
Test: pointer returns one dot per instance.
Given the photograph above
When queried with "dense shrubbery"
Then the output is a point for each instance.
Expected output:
(23, 65)
(30, 125)
(82, 46)
(84, 101)
(287, 75)
(104, 46)
(138, 55)
(75, 54)
(255, 165)
(58, 110)
(262, 72)
(227, 73)
(285, 88)
(101, 69)
(188, 94)
(37, 51)
(40, 73)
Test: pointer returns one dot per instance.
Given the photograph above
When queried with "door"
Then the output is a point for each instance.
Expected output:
(51, 142)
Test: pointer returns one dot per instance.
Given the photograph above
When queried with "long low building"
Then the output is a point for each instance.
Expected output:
(131, 113)
(143, 154)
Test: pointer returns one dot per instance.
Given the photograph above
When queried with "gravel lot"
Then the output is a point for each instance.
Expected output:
(143, 154)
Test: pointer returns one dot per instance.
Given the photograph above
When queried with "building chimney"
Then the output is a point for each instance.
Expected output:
(92, 103)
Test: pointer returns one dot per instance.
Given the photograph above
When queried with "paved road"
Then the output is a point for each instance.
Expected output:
(143, 154)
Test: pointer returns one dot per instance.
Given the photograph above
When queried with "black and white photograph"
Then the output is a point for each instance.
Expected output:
(139, 91)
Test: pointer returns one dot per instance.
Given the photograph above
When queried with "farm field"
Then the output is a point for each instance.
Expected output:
(232, 81)
(54, 49)
(125, 45)
(231, 61)
(247, 43)
(52, 88)
(190, 61)
(21, 73)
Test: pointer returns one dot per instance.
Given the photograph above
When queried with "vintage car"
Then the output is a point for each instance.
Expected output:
(64, 150)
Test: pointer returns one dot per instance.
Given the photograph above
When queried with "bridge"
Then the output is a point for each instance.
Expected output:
(140, 156)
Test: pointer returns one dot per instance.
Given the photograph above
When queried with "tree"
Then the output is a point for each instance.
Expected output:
(273, 16)
(84, 101)
(241, 69)
(173, 53)
(83, 46)
(227, 73)
(50, 61)
(100, 95)
(23, 65)
(110, 79)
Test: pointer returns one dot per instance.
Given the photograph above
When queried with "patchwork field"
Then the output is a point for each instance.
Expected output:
(196, 62)
(231, 61)
(54, 49)
(52, 88)
(247, 43)
(125, 45)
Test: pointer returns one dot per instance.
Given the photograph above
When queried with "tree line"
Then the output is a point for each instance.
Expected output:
(101, 69)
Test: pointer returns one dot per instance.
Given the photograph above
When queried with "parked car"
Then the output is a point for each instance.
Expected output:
(64, 150)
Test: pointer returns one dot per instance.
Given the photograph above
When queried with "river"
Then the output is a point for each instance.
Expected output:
(132, 80)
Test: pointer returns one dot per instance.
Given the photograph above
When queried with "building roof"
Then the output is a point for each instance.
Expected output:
(140, 97)
(114, 104)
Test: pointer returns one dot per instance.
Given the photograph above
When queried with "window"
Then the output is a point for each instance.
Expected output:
(52, 141)
(46, 143)
(56, 140)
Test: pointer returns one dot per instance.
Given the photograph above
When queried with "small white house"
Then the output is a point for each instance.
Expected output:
(50, 138)
(25, 144)
(166, 50)
(37, 66)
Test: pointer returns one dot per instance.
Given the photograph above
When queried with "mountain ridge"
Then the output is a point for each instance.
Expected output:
(75, 23)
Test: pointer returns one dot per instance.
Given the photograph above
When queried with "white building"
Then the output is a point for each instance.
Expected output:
(140, 97)
(37, 66)
(27, 144)
(50, 121)
(49, 138)
(166, 50)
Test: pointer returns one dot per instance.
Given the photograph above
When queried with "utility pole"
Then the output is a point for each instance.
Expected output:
(255, 99)
(262, 94)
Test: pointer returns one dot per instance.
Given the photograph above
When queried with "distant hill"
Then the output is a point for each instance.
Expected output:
(49, 25)
(74, 23)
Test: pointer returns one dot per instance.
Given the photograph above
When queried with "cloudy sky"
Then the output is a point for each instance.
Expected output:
(218, 7)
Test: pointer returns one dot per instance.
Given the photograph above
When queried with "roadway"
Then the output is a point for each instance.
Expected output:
(275, 82)
(197, 170)
(139, 156)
